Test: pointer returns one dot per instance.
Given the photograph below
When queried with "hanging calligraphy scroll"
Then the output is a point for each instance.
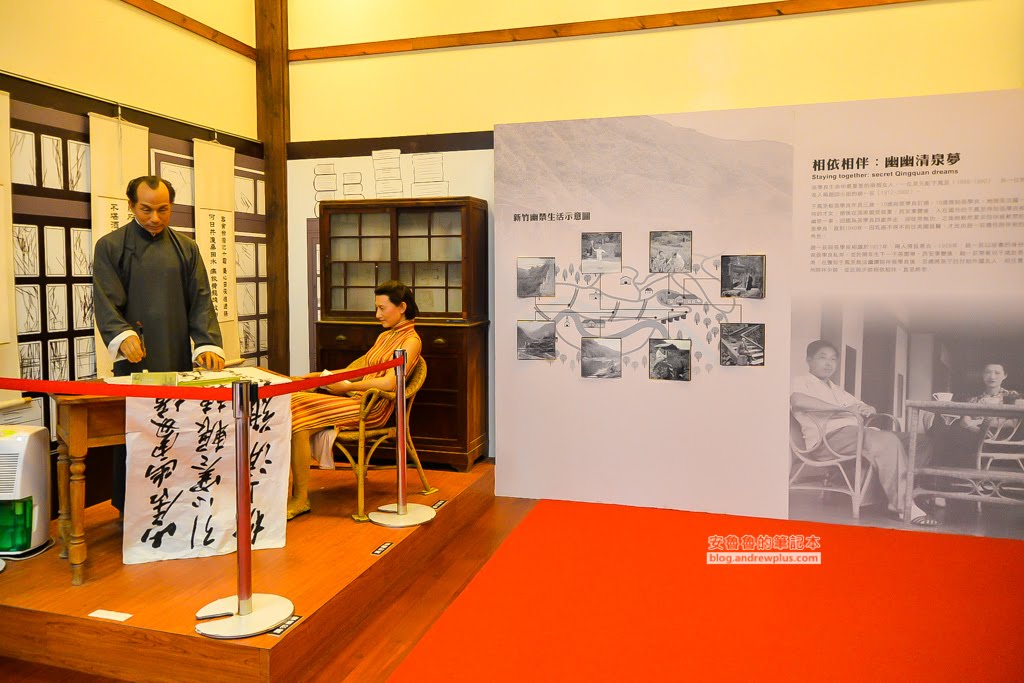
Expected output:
(118, 152)
(215, 235)
(180, 492)
(114, 211)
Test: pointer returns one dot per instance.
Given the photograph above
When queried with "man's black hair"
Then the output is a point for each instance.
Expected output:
(152, 181)
(818, 345)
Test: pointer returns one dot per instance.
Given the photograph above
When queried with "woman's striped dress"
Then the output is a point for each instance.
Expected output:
(322, 411)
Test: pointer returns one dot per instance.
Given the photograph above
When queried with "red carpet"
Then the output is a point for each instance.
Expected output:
(585, 592)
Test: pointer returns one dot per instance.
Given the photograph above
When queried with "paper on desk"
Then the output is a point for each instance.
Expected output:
(107, 614)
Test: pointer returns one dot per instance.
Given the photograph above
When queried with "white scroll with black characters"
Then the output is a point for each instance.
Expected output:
(180, 492)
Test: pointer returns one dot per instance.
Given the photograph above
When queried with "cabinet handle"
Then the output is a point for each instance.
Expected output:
(341, 338)
(440, 341)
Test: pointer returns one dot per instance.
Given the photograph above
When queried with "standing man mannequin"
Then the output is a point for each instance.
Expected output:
(151, 296)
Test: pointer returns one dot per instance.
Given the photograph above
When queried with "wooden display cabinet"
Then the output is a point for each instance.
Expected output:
(439, 247)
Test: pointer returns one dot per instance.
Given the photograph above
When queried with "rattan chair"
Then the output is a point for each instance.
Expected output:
(375, 436)
(1003, 442)
(822, 468)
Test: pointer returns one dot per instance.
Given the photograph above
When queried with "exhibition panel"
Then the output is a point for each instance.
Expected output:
(807, 272)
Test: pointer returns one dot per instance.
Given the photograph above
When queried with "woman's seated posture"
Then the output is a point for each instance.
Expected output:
(959, 442)
(312, 412)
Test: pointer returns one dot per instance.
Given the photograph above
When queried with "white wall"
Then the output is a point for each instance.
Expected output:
(806, 326)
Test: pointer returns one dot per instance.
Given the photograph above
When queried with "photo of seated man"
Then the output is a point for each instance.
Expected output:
(886, 450)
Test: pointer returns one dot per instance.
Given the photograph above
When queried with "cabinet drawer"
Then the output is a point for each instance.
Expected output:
(347, 337)
(442, 342)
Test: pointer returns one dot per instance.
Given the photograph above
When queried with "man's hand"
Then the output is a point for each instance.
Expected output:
(210, 361)
(865, 410)
(131, 348)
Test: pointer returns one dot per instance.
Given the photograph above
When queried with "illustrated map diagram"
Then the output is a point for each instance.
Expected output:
(636, 307)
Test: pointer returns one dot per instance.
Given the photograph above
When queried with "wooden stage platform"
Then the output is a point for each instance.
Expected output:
(327, 569)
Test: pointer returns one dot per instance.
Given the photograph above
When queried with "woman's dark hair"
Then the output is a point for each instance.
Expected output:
(398, 293)
(152, 181)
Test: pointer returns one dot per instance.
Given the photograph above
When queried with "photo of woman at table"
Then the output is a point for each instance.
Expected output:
(313, 412)
(956, 444)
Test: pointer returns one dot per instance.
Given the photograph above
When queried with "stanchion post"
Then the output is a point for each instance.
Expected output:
(241, 409)
(400, 429)
(246, 614)
(401, 514)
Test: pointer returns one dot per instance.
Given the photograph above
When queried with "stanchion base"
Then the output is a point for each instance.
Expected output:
(415, 515)
(268, 612)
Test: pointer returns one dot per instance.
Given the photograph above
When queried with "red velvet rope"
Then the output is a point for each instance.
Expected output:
(272, 390)
(97, 388)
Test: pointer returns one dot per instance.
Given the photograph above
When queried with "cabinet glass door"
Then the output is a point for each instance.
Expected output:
(430, 257)
(434, 245)
(359, 259)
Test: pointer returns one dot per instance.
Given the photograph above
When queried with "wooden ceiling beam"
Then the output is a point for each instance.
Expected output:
(189, 24)
(762, 10)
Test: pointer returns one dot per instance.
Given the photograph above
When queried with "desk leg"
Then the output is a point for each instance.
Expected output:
(908, 504)
(76, 549)
(64, 497)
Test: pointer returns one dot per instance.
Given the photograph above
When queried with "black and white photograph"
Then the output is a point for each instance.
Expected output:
(601, 252)
(742, 344)
(671, 251)
(669, 359)
(535, 339)
(535, 276)
(951, 371)
(672, 299)
(601, 357)
(743, 276)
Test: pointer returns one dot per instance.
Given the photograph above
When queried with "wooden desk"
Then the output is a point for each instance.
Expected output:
(83, 422)
(986, 486)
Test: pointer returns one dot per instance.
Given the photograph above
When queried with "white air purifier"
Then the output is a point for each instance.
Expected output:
(24, 489)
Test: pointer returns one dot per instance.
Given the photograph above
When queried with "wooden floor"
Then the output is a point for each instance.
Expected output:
(370, 610)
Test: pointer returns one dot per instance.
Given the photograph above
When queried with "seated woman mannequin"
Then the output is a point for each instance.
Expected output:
(312, 412)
